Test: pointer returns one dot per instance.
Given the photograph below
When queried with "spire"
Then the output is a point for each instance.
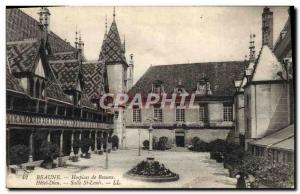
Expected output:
(105, 25)
(76, 38)
(252, 48)
(112, 50)
(114, 14)
(267, 27)
(124, 45)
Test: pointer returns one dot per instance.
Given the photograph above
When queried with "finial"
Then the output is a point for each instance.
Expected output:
(105, 24)
(76, 37)
(114, 14)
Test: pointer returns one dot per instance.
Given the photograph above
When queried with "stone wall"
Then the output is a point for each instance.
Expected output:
(207, 135)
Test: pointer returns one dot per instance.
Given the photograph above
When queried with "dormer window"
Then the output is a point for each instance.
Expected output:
(203, 87)
(179, 88)
(157, 87)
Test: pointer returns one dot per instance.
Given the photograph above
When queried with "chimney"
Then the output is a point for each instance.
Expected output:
(267, 27)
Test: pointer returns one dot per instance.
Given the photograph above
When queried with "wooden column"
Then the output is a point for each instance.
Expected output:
(90, 137)
(101, 135)
(31, 146)
(72, 143)
(49, 136)
(96, 149)
(60, 159)
(79, 138)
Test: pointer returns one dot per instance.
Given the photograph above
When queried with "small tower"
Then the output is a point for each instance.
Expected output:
(130, 73)
(252, 48)
(267, 27)
(44, 17)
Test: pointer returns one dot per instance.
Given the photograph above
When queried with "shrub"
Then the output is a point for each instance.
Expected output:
(200, 146)
(18, 154)
(115, 141)
(268, 173)
(218, 145)
(155, 143)
(162, 143)
(50, 151)
(146, 144)
(76, 145)
(100, 142)
(85, 145)
(195, 141)
(234, 155)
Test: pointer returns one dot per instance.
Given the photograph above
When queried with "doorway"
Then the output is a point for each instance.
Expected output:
(180, 139)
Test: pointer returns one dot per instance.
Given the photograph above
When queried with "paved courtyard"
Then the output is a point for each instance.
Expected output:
(196, 170)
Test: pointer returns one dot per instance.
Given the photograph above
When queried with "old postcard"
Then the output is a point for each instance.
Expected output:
(150, 97)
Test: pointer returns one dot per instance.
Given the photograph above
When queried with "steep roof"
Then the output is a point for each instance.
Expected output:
(221, 76)
(67, 72)
(283, 138)
(20, 26)
(112, 51)
(22, 55)
(12, 83)
(267, 66)
(94, 78)
(283, 45)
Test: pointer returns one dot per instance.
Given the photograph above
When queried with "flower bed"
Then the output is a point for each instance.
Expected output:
(151, 171)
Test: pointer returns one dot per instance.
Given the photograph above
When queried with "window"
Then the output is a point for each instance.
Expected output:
(116, 114)
(158, 114)
(180, 115)
(227, 112)
(203, 116)
(136, 115)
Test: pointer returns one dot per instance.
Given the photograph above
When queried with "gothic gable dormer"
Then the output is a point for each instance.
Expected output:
(157, 87)
(39, 70)
(203, 87)
(179, 88)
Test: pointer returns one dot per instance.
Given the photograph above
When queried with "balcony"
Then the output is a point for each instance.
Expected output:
(43, 120)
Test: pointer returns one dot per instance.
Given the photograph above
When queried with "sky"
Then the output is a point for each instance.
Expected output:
(167, 35)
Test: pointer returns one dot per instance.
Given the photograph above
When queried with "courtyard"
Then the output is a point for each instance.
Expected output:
(195, 169)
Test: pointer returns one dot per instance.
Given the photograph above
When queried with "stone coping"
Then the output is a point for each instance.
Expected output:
(150, 179)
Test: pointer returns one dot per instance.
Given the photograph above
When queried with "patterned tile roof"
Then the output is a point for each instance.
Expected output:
(12, 83)
(112, 51)
(54, 89)
(220, 75)
(22, 55)
(67, 72)
(85, 101)
(20, 26)
(69, 55)
(94, 78)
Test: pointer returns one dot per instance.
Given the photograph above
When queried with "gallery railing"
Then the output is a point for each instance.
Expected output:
(29, 119)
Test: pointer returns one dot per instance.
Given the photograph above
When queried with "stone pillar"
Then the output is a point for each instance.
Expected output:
(173, 138)
(72, 143)
(31, 146)
(49, 136)
(79, 138)
(96, 149)
(60, 159)
(150, 140)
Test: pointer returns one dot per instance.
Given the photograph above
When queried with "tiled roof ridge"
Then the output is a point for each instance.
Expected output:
(29, 40)
(198, 63)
